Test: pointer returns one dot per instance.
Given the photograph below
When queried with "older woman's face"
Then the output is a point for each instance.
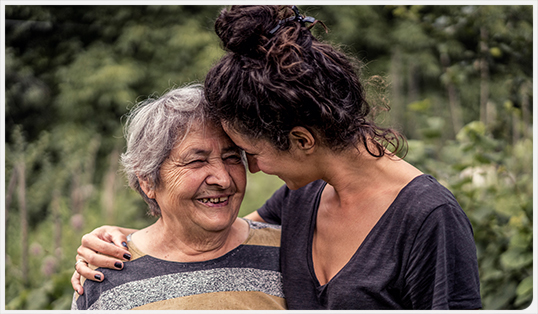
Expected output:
(202, 181)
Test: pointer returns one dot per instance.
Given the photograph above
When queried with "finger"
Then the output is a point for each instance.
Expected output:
(96, 244)
(116, 236)
(98, 260)
(84, 270)
(112, 234)
(75, 282)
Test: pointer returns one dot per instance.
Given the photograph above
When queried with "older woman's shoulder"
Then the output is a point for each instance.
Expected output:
(262, 233)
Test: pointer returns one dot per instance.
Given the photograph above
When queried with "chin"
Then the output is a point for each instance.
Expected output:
(220, 223)
(293, 185)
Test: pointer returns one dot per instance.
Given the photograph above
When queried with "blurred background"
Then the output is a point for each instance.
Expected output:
(458, 80)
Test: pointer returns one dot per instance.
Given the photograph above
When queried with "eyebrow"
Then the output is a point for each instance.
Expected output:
(195, 151)
(242, 149)
(232, 148)
(239, 147)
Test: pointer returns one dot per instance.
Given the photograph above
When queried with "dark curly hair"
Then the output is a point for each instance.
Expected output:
(266, 84)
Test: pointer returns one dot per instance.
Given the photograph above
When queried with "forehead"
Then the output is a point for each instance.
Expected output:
(204, 137)
(239, 138)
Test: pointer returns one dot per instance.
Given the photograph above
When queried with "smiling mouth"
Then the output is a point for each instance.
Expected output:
(216, 200)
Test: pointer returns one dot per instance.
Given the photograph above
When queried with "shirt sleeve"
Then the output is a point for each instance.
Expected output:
(271, 211)
(442, 272)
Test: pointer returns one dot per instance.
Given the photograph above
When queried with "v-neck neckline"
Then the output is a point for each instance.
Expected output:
(374, 230)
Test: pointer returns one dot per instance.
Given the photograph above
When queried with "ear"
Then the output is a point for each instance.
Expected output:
(147, 188)
(302, 139)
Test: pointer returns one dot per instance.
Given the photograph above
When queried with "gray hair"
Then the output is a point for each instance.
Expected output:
(153, 127)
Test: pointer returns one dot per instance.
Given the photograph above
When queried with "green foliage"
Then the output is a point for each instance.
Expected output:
(457, 78)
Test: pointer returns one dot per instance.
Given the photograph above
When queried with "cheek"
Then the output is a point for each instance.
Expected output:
(266, 165)
(239, 176)
(178, 181)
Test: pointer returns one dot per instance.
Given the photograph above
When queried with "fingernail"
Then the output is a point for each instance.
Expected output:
(124, 244)
(117, 265)
(98, 277)
(127, 256)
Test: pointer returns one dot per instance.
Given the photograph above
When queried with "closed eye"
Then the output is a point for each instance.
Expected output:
(233, 158)
(196, 162)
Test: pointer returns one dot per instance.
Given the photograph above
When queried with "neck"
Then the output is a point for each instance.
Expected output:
(355, 175)
(173, 242)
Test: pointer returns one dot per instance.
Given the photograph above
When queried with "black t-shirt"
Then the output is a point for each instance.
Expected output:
(420, 255)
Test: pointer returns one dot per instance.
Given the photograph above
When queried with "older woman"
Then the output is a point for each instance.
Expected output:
(198, 254)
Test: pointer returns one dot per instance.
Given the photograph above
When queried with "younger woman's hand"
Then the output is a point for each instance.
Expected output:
(105, 247)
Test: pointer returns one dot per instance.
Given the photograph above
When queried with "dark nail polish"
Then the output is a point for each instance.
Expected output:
(117, 265)
(127, 256)
(124, 244)
(98, 277)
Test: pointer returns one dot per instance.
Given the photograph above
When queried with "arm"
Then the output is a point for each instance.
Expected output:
(106, 247)
(254, 216)
(271, 211)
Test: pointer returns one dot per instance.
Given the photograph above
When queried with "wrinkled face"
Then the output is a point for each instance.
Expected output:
(202, 181)
(263, 156)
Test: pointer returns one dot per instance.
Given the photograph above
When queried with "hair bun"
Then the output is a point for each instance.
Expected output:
(245, 29)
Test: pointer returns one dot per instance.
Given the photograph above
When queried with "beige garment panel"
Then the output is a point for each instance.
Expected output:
(232, 300)
(266, 237)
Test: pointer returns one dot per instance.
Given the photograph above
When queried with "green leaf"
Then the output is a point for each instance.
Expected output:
(525, 287)
(524, 292)
(515, 259)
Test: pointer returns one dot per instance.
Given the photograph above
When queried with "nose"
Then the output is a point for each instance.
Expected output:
(252, 164)
(219, 175)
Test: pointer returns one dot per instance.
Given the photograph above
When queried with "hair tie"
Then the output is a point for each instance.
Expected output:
(298, 18)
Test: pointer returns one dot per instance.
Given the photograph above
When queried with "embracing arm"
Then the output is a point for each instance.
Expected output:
(254, 216)
(271, 211)
(106, 247)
